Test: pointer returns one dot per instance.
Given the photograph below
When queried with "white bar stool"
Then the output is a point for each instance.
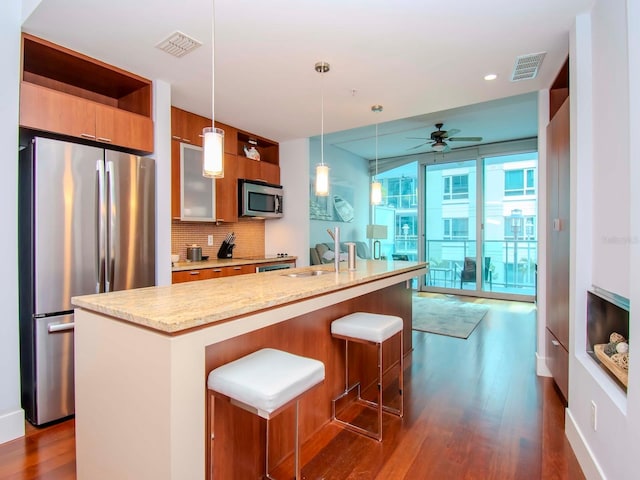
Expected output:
(369, 328)
(265, 383)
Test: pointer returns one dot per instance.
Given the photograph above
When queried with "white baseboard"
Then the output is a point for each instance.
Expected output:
(541, 367)
(588, 463)
(12, 425)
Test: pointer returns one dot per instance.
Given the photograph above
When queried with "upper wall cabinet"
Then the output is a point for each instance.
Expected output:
(65, 92)
(186, 127)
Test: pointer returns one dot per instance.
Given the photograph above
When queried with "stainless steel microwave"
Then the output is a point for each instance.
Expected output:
(259, 199)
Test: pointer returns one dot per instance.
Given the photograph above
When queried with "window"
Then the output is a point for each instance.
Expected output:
(455, 229)
(456, 187)
(526, 231)
(519, 182)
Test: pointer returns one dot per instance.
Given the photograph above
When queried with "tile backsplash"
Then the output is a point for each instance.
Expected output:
(249, 237)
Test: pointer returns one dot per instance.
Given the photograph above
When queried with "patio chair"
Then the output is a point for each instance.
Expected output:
(468, 272)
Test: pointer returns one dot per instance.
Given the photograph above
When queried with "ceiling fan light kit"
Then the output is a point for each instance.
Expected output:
(438, 138)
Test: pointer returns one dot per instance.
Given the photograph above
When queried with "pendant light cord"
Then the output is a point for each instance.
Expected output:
(322, 117)
(213, 62)
(376, 151)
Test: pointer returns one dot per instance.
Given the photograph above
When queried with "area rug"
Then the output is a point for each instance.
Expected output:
(446, 316)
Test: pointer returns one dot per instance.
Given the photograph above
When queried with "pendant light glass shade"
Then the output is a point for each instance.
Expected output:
(213, 138)
(322, 180)
(213, 153)
(322, 170)
(376, 193)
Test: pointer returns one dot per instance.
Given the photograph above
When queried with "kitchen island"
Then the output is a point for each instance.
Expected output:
(142, 358)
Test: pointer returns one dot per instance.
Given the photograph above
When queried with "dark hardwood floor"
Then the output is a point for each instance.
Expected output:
(474, 409)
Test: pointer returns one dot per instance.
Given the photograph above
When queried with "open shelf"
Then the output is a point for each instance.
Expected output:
(268, 149)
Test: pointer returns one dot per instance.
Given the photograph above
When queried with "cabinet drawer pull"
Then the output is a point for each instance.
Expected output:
(194, 272)
(237, 268)
(88, 135)
(186, 140)
(104, 139)
(217, 270)
(555, 343)
(175, 137)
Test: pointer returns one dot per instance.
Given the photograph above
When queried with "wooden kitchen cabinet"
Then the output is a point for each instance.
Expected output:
(186, 127)
(192, 275)
(200, 192)
(558, 236)
(215, 272)
(230, 138)
(227, 191)
(269, 173)
(71, 94)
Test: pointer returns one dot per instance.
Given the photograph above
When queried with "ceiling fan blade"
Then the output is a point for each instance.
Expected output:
(450, 132)
(416, 138)
(465, 139)
(418, 146)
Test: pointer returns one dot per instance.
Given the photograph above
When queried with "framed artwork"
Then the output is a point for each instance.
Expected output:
(335, 207)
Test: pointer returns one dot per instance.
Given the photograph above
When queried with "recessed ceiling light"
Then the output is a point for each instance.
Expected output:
(491, 76)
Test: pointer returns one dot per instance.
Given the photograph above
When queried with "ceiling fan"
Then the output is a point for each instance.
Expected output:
(439, 136)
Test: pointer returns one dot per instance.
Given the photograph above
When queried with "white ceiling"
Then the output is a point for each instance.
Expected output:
(414, 57)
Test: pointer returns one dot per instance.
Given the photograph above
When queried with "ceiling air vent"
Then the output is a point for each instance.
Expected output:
(178, 44)
(526, 66)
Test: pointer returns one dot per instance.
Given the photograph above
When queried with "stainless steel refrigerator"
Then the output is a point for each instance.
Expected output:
(86, 225)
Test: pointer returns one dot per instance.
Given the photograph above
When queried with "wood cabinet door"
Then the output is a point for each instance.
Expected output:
(192, 275)
(52, 111)
(247, 168)
(558, 241)
(230, 138)
(194, 126)
(241, 269)
(269, 173)
(227, 191)
(119, 127)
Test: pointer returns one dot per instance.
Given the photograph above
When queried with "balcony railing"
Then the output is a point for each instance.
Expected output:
(511, 263)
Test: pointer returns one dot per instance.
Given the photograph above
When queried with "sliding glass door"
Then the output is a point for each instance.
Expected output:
(480, 224)
(450, 223)
(510, 243)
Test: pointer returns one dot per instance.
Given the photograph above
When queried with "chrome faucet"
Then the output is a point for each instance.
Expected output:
(336, 246)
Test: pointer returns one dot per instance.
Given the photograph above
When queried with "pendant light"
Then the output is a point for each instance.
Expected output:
(376, 186)
(213, 138)
(322, 170)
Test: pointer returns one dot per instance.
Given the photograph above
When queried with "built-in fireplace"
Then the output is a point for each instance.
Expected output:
(608, 313)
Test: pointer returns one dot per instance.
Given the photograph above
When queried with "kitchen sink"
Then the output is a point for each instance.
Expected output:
(309, 273)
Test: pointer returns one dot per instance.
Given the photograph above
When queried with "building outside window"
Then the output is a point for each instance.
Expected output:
(519, 182)
(455, 187)
(456, 229)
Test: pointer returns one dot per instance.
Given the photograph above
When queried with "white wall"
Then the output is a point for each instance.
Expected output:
(290, 234)
(543, 221)
(11, 414)
(604, 251)
(346, 169)
(162, 156)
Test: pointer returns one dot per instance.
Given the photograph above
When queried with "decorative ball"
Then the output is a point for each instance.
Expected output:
(616, 338)
(622, 347)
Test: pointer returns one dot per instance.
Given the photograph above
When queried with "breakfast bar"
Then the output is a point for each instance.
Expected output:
(142, 358)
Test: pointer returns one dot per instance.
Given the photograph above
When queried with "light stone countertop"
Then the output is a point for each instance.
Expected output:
(227, 262)
(175, 308)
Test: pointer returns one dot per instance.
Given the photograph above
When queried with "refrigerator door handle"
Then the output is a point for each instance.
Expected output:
(100, 226)
(112, 218)
(60, 327)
